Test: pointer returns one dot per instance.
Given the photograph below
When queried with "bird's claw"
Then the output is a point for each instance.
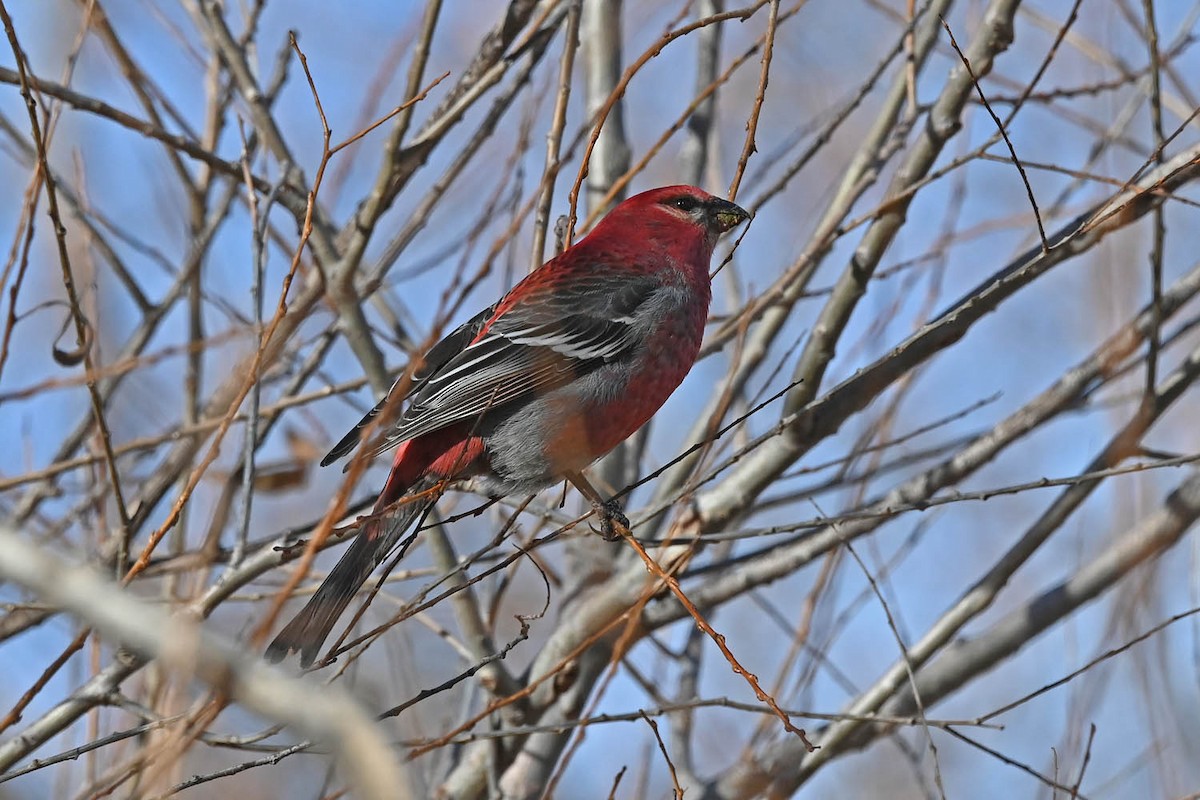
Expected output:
(613, 522)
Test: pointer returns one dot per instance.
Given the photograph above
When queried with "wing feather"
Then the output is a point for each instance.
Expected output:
(447, 348)
(547, 340)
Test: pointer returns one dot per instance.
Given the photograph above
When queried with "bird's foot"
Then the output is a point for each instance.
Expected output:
(613, 522)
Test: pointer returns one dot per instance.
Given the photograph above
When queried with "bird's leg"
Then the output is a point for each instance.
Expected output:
(613, 523)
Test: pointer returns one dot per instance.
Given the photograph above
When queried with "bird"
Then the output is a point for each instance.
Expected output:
(530, 391)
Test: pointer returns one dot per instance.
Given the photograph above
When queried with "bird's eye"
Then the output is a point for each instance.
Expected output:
(685, 203)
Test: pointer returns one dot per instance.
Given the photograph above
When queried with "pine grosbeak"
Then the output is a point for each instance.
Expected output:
(570, 363)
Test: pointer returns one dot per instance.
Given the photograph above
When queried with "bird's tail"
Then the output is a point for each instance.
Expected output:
(309, 628)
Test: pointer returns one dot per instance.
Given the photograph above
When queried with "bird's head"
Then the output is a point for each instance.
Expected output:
(681, 223)
(672, 227)
(687, 205)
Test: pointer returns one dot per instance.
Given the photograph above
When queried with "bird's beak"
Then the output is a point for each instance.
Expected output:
(726, 215)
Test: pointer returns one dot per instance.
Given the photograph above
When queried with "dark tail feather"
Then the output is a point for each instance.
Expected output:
(308, 629)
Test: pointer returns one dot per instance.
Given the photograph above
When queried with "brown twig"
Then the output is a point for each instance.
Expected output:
(719, 639)
(749, 147)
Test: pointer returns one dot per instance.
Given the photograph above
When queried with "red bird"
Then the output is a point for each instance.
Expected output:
(570, 363)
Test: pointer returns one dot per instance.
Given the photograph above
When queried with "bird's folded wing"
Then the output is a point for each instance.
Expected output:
(549, 339)
(450, 346)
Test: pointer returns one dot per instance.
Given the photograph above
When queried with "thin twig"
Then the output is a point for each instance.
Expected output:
(1037, 215)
